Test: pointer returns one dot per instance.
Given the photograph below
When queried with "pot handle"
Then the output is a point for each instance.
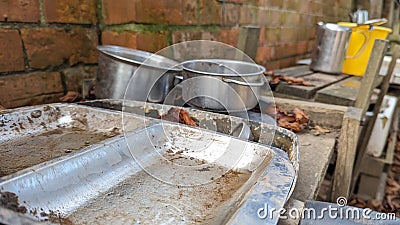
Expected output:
(227, 80)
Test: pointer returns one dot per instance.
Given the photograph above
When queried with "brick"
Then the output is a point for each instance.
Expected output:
(271, 65)
(249, 15)
(24, 89)
(301, 34)
(302, 47)
(291, 19)
(276, 3)
(211, 12)
(230, 14)
(263, 17)
(307, 20)
(124, 38)
(174, 12)
(118, 11)
(283, 63)
(71, 11)
(11, 53)
(305, 7)
(346, 4)
(293, 4)
(262, 39)
(230, 36)
(37, 100)
(312, 33)
(285, 50)
(264, 54)
(151, 42)
(274, 18)
(254, 2)
(180, 36)
(49, 47)
(74, 76)
(19, 11)
(288, 34)
(273, 35)
(233, 1)
(316, 8)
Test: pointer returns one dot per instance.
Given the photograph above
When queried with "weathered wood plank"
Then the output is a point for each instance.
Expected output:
(248, 40)
(368, 130)
(295, 71)
(342, 93)
(371, 74)
(320, 81)
(316, 152)
(325, 115)
(346, 153)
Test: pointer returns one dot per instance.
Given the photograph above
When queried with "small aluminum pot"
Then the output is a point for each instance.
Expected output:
(222, 85)
(150, 76)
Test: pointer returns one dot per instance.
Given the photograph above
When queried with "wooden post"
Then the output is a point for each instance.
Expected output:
(348, 139)
(248, 40)
(384, 88)
(347, 145)
(371, 73)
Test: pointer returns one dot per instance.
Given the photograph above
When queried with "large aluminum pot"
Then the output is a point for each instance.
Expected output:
(329, 54)
(222, 85)
(151, 83)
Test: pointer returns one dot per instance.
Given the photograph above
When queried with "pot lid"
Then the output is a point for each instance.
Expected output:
(133, 56)
(222, 67)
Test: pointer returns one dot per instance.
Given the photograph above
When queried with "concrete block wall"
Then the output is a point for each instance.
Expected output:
(48, 46)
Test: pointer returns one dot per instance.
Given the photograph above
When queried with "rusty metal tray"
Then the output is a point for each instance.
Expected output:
(113, 181)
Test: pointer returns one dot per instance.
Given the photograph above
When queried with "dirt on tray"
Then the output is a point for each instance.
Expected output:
(26, 152)
(142, 199)
(10, 201)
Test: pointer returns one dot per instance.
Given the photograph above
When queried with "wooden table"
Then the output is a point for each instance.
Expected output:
(334, 89)
(315, 151)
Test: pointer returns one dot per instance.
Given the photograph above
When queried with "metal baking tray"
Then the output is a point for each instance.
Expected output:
(102, 182)
(167, 174)
(263, 133)
(32, 135)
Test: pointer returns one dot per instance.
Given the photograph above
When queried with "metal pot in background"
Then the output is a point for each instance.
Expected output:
(330, 51)
(118, 64)
(222, 85)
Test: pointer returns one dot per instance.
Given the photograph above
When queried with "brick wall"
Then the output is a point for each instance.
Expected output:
(48, 46)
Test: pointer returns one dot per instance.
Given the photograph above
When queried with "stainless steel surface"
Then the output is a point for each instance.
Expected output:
(103, 184)
(242, 131)
(360, 16)
(263, 133)
(152, 75)
(330, 51)
(375, 22)
(222, 85)
(32, 135)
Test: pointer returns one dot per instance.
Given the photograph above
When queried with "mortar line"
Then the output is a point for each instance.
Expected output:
(25, 55)
(100, 22)
(41, 11)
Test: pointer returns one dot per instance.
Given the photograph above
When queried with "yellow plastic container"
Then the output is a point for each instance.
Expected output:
(360, 46)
